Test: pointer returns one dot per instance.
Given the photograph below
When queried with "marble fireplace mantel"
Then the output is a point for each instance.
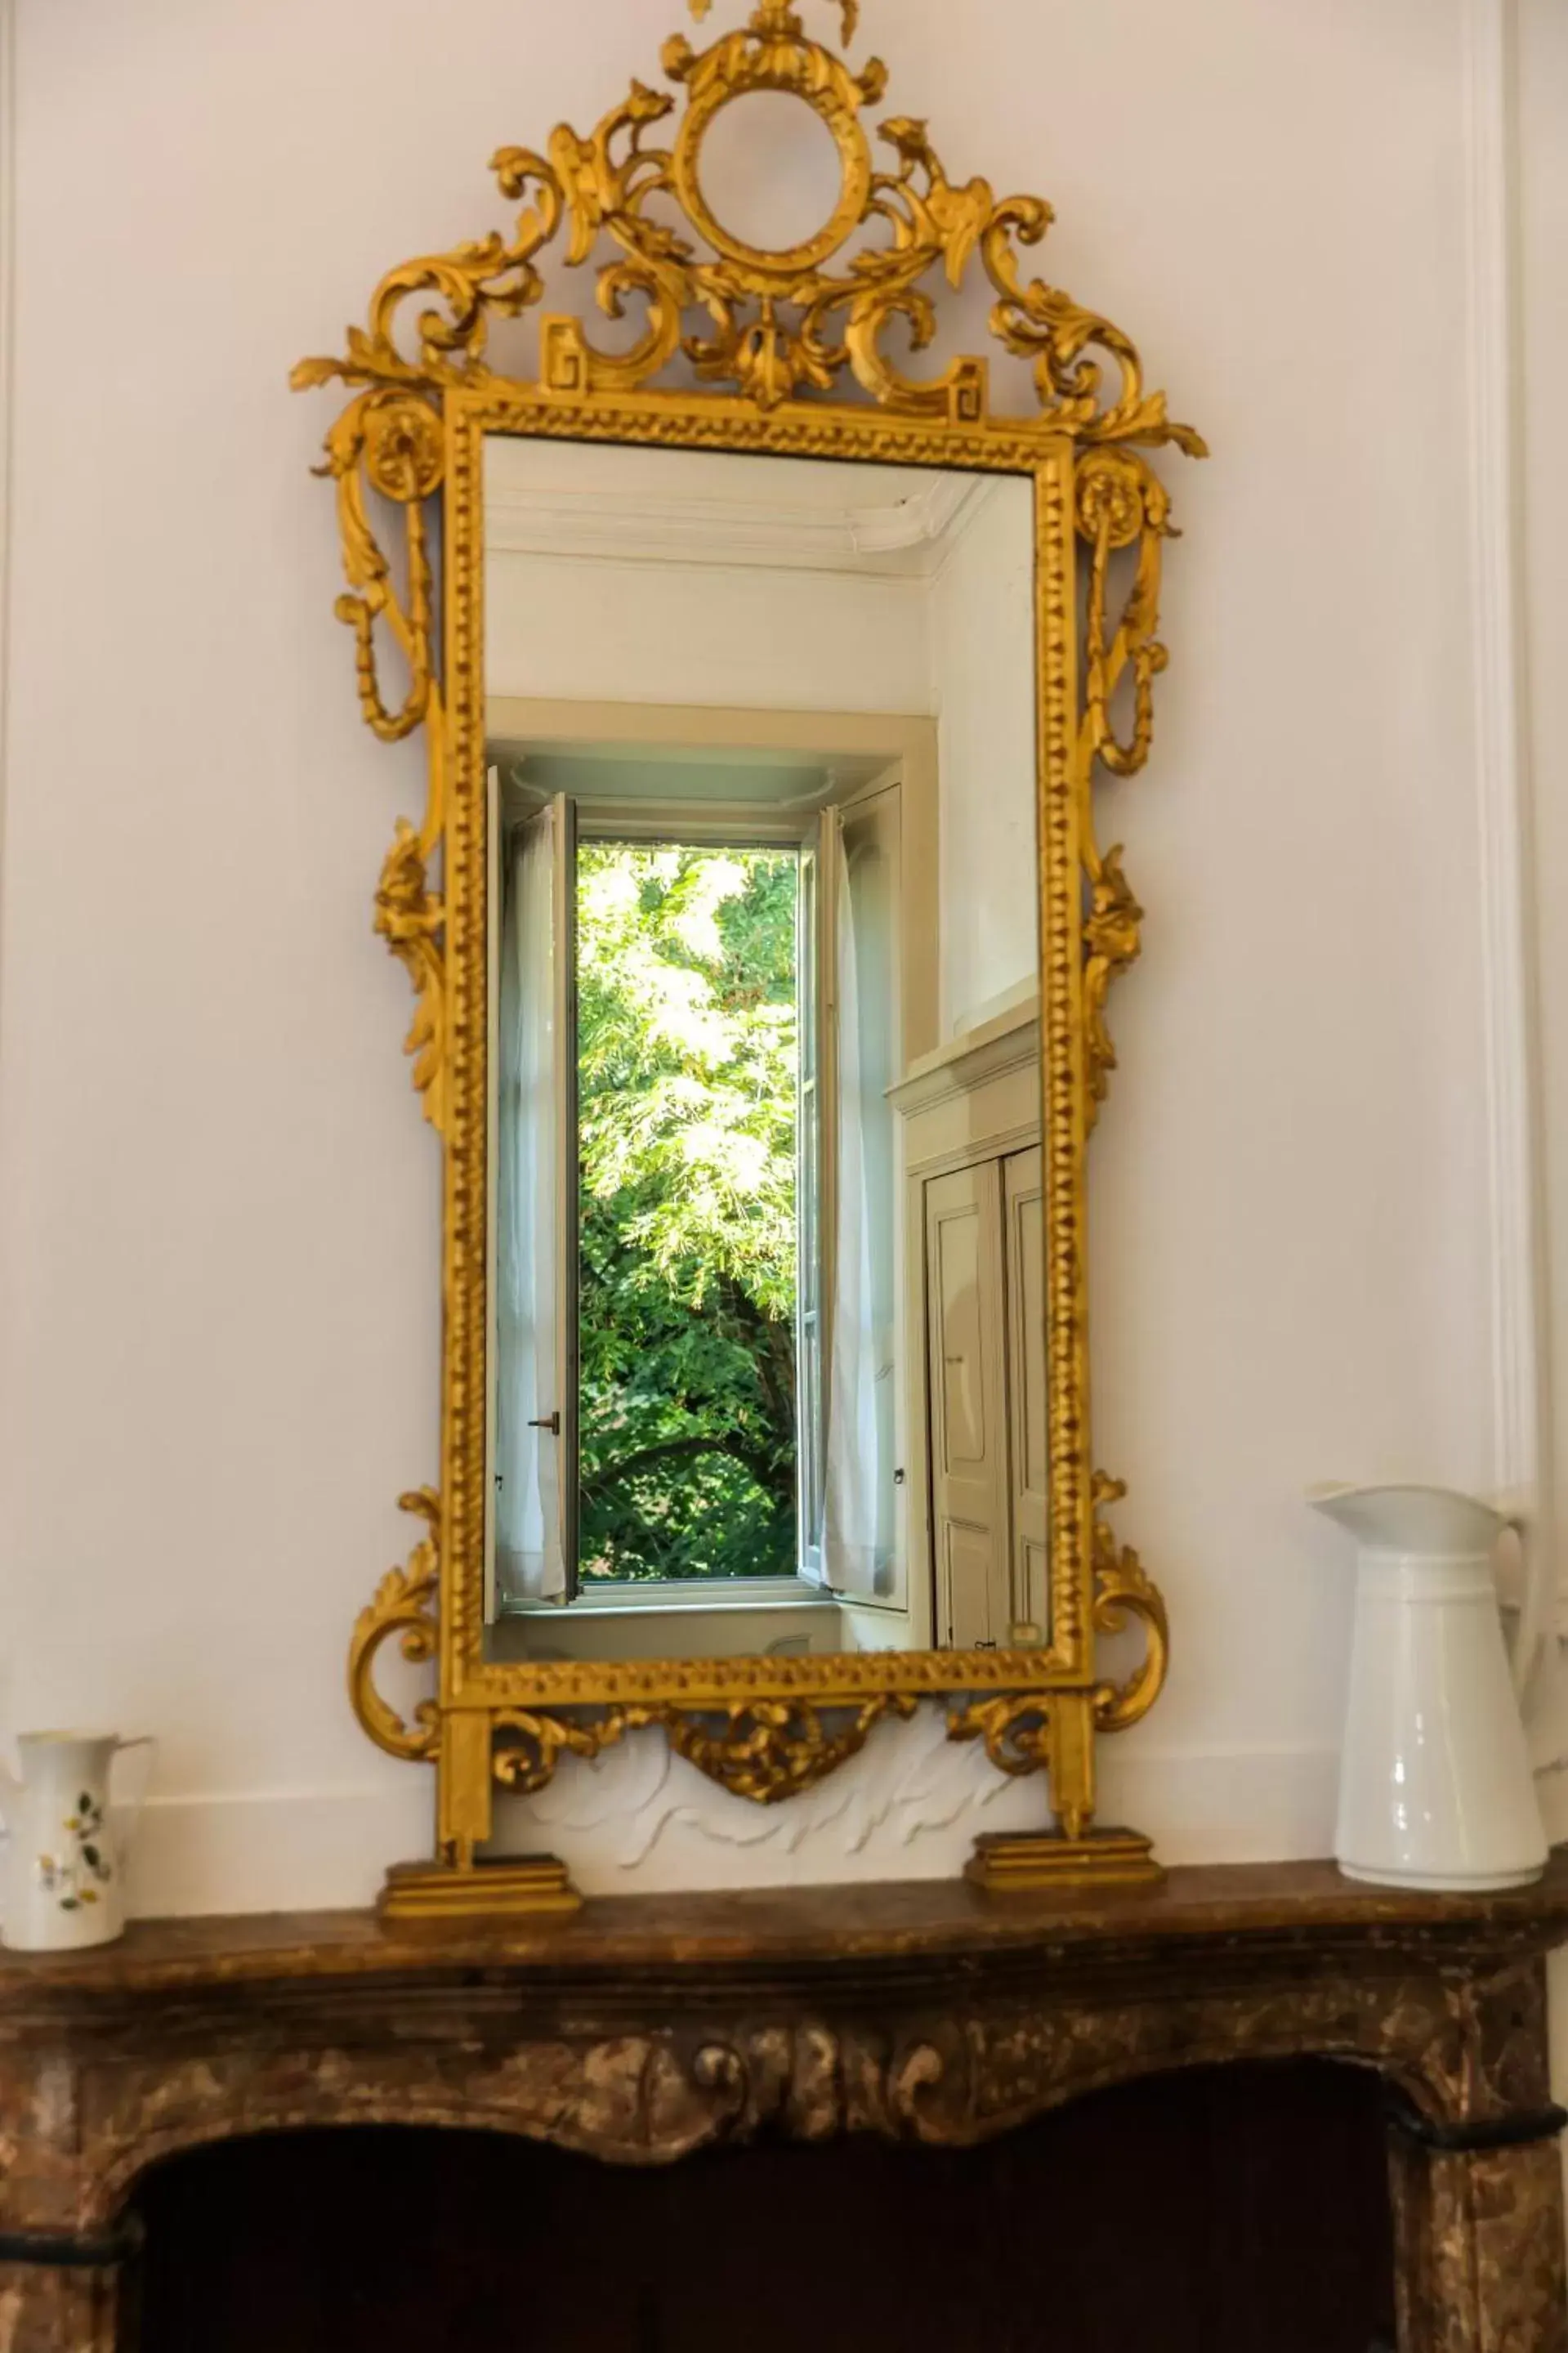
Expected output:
(644, 2028)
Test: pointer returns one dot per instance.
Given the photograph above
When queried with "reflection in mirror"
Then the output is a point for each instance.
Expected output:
(767, 1334)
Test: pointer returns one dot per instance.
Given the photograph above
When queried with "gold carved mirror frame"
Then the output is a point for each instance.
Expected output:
(772, 337)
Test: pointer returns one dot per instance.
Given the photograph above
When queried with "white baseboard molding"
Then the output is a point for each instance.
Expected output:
(1241, 1805)
(275, 1850)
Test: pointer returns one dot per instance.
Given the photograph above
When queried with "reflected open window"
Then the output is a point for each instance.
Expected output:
(695, 1201)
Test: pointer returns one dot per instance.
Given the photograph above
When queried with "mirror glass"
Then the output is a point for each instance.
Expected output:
(767, 1314)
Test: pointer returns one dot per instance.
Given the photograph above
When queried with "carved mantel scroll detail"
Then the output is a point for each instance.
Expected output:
(680, 2068)
(810, 351)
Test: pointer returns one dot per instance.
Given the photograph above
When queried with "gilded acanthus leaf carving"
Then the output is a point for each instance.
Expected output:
(390, 441)
(1015, 1728)
(1040, 322)
(1124, 1590)
(1122, 507)
(768, 1750)
(1111, 939)
(530, 1744)
(411, 919)
(765, 1750)
(405, 1607)
(1121, 503)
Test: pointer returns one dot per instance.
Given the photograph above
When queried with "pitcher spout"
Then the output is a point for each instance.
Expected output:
(1410, 1518)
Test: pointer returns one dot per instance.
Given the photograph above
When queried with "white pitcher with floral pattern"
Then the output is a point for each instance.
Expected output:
(63, 1879)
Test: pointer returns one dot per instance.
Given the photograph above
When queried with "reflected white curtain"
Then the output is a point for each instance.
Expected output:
(860, 1533)
(529, 1561)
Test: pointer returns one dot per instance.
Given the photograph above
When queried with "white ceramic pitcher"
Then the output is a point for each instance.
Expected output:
(1436, 1789)
(64, 1867)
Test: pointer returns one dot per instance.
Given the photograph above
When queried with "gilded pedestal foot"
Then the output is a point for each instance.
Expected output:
(526, 1884)
(1027, 1863)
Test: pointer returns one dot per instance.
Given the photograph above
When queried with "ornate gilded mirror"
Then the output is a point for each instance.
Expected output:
(762, 943)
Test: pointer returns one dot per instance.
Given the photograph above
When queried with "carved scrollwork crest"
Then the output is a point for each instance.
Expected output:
(775, 323)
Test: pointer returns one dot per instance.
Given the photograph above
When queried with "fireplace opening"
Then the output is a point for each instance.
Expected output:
(1211, 2210)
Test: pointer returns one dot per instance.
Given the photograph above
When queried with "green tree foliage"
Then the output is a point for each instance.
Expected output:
(687, 1075)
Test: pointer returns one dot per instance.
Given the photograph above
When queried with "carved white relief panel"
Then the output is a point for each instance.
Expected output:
(639, 1820)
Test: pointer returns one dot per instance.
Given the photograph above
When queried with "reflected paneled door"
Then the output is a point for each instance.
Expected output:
(967, 1325)
(1029, 1482)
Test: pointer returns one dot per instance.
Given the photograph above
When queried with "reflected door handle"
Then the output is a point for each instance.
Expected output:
(552, 1423)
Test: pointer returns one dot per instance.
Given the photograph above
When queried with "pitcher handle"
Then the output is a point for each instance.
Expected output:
(1525, 1643)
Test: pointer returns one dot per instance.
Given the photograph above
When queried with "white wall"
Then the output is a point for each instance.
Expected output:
(218, 1203)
